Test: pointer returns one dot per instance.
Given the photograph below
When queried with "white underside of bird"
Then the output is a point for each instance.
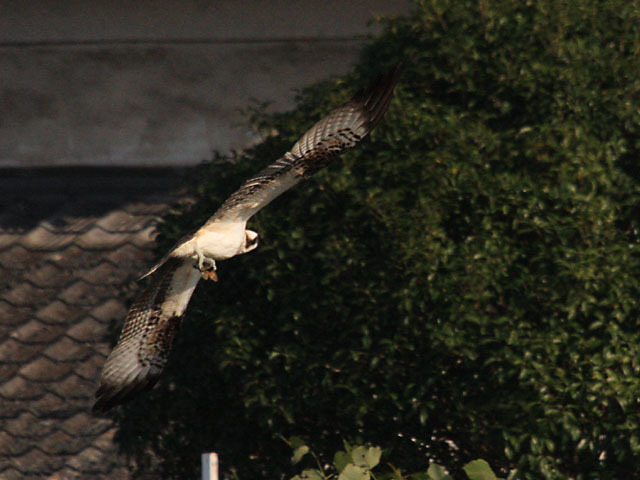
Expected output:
(215, 241)
(218, 242)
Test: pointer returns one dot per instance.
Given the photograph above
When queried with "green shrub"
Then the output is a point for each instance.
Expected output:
(464, 284)
(358, 462)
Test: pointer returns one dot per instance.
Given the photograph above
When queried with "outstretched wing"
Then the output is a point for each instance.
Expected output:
(149, 329)
(341, 130)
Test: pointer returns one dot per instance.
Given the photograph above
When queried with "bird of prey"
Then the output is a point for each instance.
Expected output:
(138, 358)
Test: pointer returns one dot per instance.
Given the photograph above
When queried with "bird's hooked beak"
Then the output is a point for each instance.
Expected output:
(251, 241)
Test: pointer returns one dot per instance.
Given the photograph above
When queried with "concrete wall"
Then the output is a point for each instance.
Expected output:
(160, 83)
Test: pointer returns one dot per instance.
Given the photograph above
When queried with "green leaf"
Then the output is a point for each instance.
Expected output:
(366, 457)
(423, 417)
(420, 476)
(340, 460)
(298, 453)
(479, 470)
(396, 474)
(353, 472)
(295, 442)
(437, 472)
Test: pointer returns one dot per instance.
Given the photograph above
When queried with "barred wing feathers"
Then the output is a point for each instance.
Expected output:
(341, 130)
(153, 320)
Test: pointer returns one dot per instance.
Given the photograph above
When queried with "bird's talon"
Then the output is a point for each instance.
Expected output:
(207, 267)
(210, 275)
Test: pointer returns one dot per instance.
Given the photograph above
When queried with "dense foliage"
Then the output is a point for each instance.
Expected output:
(463, 285)
(359, 462)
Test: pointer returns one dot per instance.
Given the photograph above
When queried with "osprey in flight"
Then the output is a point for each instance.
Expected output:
(156, 315)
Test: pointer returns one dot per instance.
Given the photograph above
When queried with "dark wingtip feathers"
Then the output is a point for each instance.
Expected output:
(109, 396)
(375, 98)
(123, 376)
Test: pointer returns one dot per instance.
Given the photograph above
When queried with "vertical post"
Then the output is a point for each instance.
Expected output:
(210, 466)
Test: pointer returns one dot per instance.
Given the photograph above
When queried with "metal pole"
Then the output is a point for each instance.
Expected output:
(210, 466)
